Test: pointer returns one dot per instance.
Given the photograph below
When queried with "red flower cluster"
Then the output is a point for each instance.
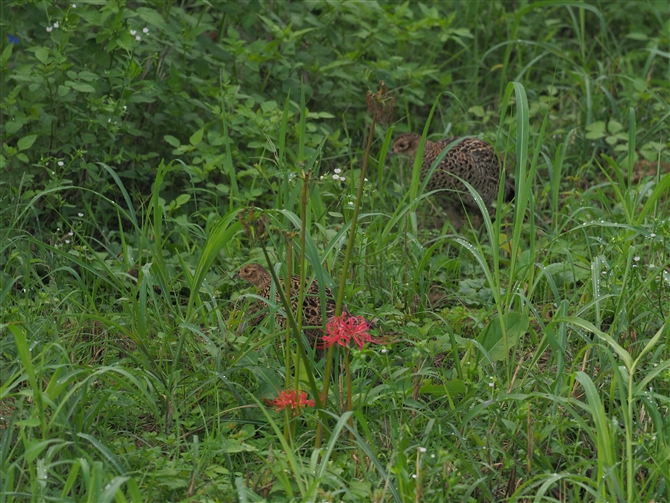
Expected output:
(343, 328)
(290, 399)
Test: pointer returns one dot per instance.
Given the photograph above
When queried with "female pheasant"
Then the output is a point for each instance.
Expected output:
(312, 315)
(472, 160)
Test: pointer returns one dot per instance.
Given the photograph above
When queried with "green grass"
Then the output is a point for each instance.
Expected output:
(524, 360)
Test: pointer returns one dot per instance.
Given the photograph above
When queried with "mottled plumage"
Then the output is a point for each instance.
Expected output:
(257, 275)
(471, 159)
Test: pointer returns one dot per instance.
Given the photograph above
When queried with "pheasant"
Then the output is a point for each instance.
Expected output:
(472, 160)
(312, 316)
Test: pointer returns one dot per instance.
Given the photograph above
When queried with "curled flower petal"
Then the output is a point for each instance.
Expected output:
(341, 329)
(291, 400)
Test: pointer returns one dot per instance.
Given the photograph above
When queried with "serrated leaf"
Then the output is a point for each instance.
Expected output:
(26, 142)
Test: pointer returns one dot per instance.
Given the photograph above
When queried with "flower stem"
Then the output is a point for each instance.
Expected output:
(343, 282)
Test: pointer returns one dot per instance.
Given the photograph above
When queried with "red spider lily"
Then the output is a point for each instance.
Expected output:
(343, 328)
(290, 399)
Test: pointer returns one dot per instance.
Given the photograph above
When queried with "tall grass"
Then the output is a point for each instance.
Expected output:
(526, 359)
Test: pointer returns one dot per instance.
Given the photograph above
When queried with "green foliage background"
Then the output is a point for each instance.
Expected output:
(525, 359)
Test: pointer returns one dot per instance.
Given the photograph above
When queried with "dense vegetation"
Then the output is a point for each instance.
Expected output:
(150, 149)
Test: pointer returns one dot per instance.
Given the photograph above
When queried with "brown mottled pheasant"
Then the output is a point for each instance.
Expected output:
(472, 160)
(311, 307)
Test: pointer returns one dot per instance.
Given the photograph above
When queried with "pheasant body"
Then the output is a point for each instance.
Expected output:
(312, 315)
(471, 159)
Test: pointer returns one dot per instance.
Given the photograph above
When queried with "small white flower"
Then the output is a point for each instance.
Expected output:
(491, 384)
(422, 449)
(365, 179)
(636, 259)
(414, 475)
(58, 229)
(350, 203)
(145, 30)
(67, 241)
(652, 235)
(53, 172)
(60, 163)
(56, 24)
(80, 215)
(336, 177)
(383, 350)
(49, 28)
(338, 170)
(70, 233)
(133, 32)
(138, 38)
(109, 120)
(74, 5)
(342, 179)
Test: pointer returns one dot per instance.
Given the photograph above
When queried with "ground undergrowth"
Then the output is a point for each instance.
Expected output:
(150, 150)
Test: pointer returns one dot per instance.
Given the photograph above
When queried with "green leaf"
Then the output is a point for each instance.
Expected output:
(63, 90)
(196, 137)
(32, 422)
(81, 87)
(26, 142)
(42, 54)
(88, 76)
(614, 127)
(453, 387)
(6, 53)
(153, 18)
(172, 140)
(492, 339)
(12, 127)
(477, 111)
(595, 130)
(182, 199)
